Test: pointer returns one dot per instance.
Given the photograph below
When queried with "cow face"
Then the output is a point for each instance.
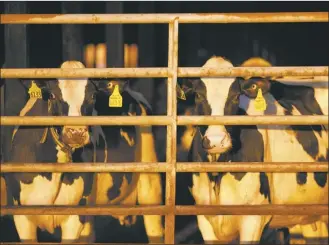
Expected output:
(70, 97)
(119, 90)
(251, 86)
(216, 97)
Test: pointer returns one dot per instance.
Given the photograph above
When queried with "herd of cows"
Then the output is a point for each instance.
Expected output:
(195, 96)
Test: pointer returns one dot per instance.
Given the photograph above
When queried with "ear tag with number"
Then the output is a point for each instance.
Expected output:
(35, 91)
(180, 93)
(260, 103)
(115, 98)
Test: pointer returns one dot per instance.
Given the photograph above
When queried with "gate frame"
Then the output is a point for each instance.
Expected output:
(171, 120)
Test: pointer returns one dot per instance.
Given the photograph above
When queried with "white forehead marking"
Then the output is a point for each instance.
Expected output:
(73, 90)
(217, 89)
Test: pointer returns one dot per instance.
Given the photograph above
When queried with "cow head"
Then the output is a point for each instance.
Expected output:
(217, 97)
(114, 97)
(109, 88)
(69, 97)
(210, 96)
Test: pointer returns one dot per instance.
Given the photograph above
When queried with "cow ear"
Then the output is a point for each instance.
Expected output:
(122, 84)
(139, 98)
(180, 93)
(41, 83)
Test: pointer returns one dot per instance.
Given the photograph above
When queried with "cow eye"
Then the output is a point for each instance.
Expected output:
(254, 86)
(110, 85)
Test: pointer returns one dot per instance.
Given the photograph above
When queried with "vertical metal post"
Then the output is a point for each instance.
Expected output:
(171, 131)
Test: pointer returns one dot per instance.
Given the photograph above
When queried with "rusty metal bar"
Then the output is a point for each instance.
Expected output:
(90, 210)
(88, 167)
(54, 243)
(164, 18)
(275, 209)
(92, 120)
(310, 209)
(252, 120)
(273, 167)
(84, 72)
(254, 71)
(163, 72)
(164, 120)
(171, 131)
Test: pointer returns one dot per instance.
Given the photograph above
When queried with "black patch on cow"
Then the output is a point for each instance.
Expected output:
(114, 191)
(301, 178)
(129, 177)
(83, 202)
(303, 99)
(264, 186)
(321, 178)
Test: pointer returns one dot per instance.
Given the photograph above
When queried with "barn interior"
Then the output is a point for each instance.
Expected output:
(47, 46)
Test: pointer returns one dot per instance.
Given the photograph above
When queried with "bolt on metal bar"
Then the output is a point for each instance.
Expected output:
(163, 72)
(164, 18)
(171, 131)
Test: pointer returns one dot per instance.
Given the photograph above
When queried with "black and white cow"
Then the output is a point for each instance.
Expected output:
(62, 97)
(128, 144)
(227, 96)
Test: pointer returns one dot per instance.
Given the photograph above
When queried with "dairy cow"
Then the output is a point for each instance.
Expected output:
(49, 144)
(230, 96)
(127, 144)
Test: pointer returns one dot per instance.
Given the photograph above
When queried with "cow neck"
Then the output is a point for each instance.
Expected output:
(63, 147)
(28, 106)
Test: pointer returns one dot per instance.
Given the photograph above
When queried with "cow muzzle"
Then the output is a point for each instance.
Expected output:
(217, 143)
(76, 136)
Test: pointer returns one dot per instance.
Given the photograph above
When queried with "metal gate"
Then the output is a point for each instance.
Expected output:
(171, 120)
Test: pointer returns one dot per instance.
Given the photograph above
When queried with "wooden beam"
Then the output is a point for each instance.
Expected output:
(16, 56)
(72, 34)
(114, 37)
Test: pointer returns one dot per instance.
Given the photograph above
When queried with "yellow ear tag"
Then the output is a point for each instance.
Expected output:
(181, 93)
(35, 91)
(115, 98)
(260, 103)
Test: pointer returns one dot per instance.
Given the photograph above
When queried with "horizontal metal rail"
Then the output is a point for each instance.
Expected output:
(252, 120)
(305, 209)
(164, 18)
(71, 243)
(83, 167)
(164, 72)
(80, 121)
(163, 120)
(273, 167)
